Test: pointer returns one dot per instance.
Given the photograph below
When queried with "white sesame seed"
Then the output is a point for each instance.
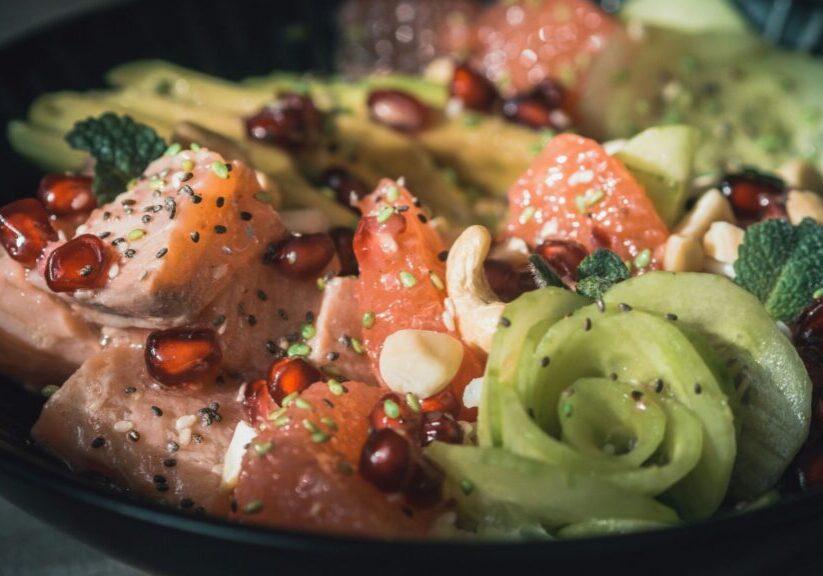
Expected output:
(186, 421)
(123, 426)
(184, 437)
(114, 271)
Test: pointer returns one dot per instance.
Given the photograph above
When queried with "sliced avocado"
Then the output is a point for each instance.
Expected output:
(687, 15)
(661, 159)
(752, 103)
(770, 380)
(491, 481)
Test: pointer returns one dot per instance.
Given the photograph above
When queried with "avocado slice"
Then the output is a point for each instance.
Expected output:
(661, 160)
(770, 379)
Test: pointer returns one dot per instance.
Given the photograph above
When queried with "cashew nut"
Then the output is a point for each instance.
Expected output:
(422, 362)
(712, 207)
(682, 254)
(800, 175)
(722, 241)
(800, 205)
(477, 308)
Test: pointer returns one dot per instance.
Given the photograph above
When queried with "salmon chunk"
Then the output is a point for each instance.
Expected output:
(164, 443)
(41, 341)
(177, 239)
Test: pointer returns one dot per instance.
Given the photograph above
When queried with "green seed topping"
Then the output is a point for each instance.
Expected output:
(321, 284)
(187, 165)
(392, 193)
(567, 409)
(357, 346)
(384, 214)
(818, 294)
(310, 426)
(175, 148)
(263, 197)
(391, 408)
(407, 279)
(307, 331)
(320, 437)
(643, 259)
(282, 421)
(527, 214)
(438, 283)
(194, 147)
(345, 468)
(253, 507)
(336, 387)
(277, 413)
(303, 404)
(368, 319)
(467, 486)
(136, 234)
(47, 391)
(329, 422)
(290, 398)
(221, 169)
(298, 349)
(263, 448)
(156, 183)
(413, 401)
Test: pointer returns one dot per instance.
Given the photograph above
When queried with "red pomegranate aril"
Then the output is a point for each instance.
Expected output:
(551, 92)
(182, 355)
(405, 418)
(257, 401)
(302, 256)
(807, 335)
(79, 264)
(440, 427)
(425, 485)
(538, 109)
(754, 196)
(291, 375)
(564, 256)
(25, 230)
(444, 401)
(343, 239)
(291, 121)
(507, 282)
(472, 88)
(386, 460)
(348, 188)
(398, 110)
(66, 195)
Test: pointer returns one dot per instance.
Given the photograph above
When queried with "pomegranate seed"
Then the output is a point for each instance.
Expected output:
(551, 92)
(291, 121)
(343, 239)
(425, 485)
(386, 460)
(290, 375)
(80, 263)
(564, 256)
(755, 196)
(65, 195)
(444, 401)
(25, 230)
(182, 355)
(472, 88)
(257, 401)
(807, 335)
(441, 427)
(301, 256)
(348, 188)
(507, 282)
(392, 411)
(539, 108)
(398, 110)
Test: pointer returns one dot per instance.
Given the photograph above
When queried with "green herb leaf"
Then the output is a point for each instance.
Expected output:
(599, 271)
(121, 147)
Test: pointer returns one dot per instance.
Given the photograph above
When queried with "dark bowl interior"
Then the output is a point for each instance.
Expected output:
(235, 39)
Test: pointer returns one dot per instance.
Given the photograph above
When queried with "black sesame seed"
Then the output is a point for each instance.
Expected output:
(658, 385)
(186, 176)
(172, 446)
(402, 208)
(587, 325)
(601, 305)
(310, 317)
(128, 202)
(251, 319)
(545, 361)
(130, 253)
(422, 218)
(157, 411)
(698, 388)
(186, 189)
(246, 216)
(283, 314)
(160, 479)
(98, 442)
(162, 252)
(196, 199)
(613, 377)
(220, 229)
(219, 321)
(117, 241)
(328, 402)
(623, 307)
(505, 322)
(672, 317)
(262, 295)
(186, 503)
(220, 201)
(130, 390)
(145, 219)
(133, 435)
(271, 347)
(443, 256)
(104, 235)
(195, 237)
(169, 462)
(637, 395)
(198, 438)
(332, 356)
(171, 207)
(106, 216)
(156, 208)
(162, 487)
(214, 406)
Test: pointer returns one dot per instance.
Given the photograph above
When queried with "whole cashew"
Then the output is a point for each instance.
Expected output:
(477, 308)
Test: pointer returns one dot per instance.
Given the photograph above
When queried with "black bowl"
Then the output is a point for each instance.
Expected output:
(234, 39)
